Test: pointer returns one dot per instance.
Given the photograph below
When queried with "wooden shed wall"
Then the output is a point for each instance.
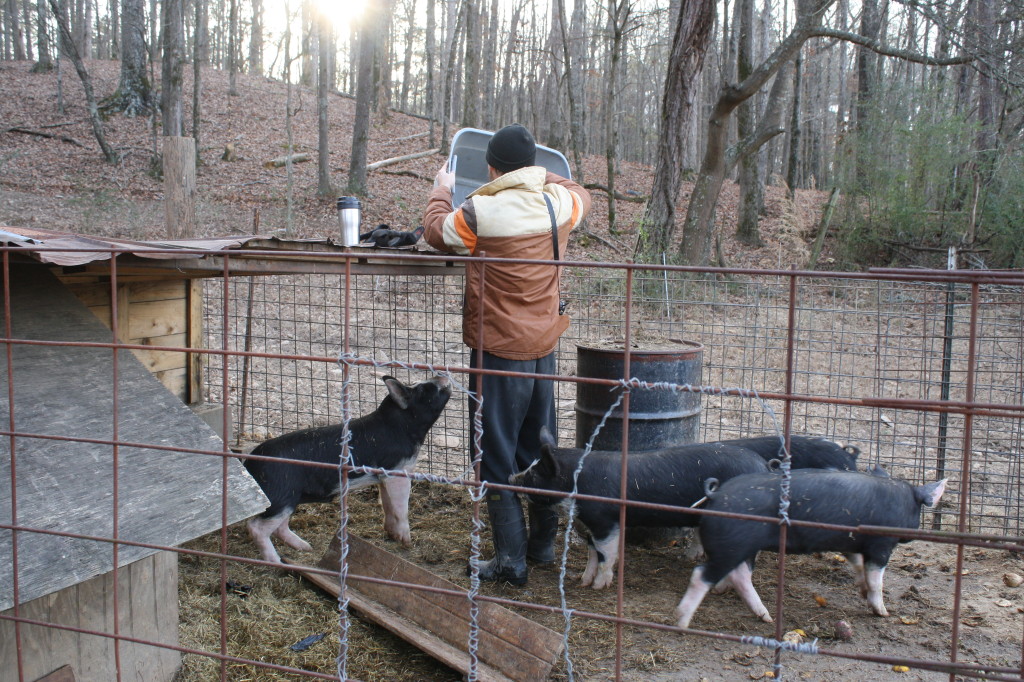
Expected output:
(156, 312)
(148, 604)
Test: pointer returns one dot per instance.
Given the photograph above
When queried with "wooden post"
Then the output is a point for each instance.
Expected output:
(180, 187)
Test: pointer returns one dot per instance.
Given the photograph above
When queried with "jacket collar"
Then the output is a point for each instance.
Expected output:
(530, 178)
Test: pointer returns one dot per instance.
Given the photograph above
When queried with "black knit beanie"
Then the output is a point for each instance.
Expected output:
(511, 148)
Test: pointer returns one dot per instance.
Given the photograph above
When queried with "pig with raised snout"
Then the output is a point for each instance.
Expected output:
(670, 476)
(806, 452)
(388, 438)
(845, 498)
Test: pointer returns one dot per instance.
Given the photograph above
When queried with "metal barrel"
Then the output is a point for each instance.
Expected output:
(658, 417)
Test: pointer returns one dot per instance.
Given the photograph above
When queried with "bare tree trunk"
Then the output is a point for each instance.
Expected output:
(364, 93)
(45, 62)
(695, 248)
(574, 96)
(201, 54)
(471, 91)
(233, 48)
(325, 39)
(134, 94)
(69, 48)
(455, 28)
(171, 67)
(256, 39)
(751, 188)
(618, 17)
(410, 33)
(17, 37)
(793, 176)
(689, 44)
(306, 74)
(431, 47)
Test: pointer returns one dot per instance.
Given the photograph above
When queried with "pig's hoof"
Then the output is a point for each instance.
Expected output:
(881, 611)
(766, 617)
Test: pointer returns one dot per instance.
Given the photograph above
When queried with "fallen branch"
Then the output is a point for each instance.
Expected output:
(639, 199)
(38, 133)
(410, 174)
(283, 160)
(591, 235)
(411, 137)
(399, 159)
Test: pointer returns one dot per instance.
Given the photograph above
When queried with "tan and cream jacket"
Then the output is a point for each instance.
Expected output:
(508, 218)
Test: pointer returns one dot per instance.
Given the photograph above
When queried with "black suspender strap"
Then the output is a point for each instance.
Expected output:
(554, 245)
(554, 226)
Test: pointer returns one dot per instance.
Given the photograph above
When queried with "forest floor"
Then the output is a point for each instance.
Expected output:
(62, 183)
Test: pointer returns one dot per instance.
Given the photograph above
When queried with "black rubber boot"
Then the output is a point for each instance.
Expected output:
(508, 530)
(540, 547)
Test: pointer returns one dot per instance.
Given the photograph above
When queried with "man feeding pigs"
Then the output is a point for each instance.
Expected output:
(523, 212)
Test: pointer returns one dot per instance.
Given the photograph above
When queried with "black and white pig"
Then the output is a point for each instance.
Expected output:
(670, 476)
(846, 498)
(806, 452)
(388, 438)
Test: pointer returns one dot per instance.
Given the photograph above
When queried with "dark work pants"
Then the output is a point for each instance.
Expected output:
(514, 409)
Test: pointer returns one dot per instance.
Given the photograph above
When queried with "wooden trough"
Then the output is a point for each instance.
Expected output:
(511, 647)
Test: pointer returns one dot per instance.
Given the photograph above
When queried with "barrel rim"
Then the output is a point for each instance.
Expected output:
(695, 347)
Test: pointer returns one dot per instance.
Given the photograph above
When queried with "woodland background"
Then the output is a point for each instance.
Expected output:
(905, 114)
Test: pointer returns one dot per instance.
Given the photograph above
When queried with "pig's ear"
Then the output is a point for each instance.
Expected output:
(853, 450)
(399, 393)
(547, 465)
(929, 495)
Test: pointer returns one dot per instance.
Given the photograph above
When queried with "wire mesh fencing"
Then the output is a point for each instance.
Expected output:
(920, 372)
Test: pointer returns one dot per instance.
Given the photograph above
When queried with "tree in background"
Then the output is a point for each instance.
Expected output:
(325, 39)
(45, 61)
(134, 95)
(256, 39)
(364, 94)
(694, 23)
(172, 67)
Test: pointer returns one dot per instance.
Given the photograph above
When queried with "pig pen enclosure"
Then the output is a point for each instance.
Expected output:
(923, 371)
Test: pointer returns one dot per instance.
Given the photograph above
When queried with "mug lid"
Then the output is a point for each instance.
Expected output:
(348, 202)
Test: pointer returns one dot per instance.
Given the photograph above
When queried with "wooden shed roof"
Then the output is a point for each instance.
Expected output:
(247, 254)
(165, 497)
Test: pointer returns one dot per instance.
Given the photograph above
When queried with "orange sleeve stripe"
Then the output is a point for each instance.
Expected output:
(575, 209)
(467, 235)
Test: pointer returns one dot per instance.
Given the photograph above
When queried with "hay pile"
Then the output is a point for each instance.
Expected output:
(281, 609)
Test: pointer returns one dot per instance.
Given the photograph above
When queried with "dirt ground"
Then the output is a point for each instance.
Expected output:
(819, 592)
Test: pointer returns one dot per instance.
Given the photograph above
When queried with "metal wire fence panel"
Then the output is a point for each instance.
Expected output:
(859, 349)
(923, 374)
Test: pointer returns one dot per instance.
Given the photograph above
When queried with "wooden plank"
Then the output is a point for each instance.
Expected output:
(36, 640)
(162, 360)
(402, 627)
(156, 318)
(124, 313)
(91, 293)
(157, 290)
(95, 653)
(174, 380)
(504, 637)
(165, 610)
(195, 340)
(64, 643)
(515, 646)
(63, 674)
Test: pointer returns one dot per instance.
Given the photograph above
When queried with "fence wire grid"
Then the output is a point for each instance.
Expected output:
(923, 372)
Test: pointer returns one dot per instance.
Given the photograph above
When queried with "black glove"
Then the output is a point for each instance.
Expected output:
(385, 236)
